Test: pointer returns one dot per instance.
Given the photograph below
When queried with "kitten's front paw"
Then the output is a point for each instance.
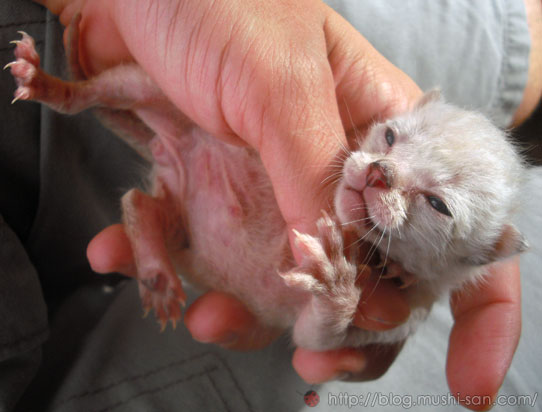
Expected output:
(25, 69)
(325, 270)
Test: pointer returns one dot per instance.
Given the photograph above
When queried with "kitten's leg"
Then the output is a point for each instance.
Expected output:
(331, 278)
(151, 225)
(114, 94)
(121, 87)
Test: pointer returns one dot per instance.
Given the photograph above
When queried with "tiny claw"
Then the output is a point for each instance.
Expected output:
(364, 270)
(146, 312)
(181, 296)
(407, 283)
(7, 66)
(21, 94)
(383, 321)
(380, 265)
(15, 42)
(23, 33)
(407, 280)
(163, 325)
(324, 213)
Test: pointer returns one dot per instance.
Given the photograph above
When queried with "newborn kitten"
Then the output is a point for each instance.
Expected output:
(433, 190)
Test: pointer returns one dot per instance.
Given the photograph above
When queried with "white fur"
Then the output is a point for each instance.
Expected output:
(462, 158)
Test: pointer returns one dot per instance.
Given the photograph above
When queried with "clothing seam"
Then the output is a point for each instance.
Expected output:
(501, 81)
(23, 340)
(116, 383)
(218, 393)
(156, 370)
(159, 389)
(508, 83)
(239, 388)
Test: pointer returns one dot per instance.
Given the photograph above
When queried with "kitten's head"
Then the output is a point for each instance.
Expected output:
(437, 188)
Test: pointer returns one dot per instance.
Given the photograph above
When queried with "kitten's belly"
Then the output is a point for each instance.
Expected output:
(237, 237)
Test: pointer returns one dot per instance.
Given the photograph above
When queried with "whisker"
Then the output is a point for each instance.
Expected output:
(431, 244)
(331, 176)
(363, 237)
(385, 262)
(373, 247)
(355, 221)
(361, 207)
(372, 251)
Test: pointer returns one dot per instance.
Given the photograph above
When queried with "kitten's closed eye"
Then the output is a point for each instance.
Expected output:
(438, 205)
(390, 136)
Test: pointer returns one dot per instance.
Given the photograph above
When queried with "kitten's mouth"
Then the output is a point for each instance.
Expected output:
(367, 224)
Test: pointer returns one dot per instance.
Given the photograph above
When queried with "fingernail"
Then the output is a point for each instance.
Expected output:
(343, 376)
(350, 365)
(385, 321)
(225, 341)
(350, 368)
(228, 340)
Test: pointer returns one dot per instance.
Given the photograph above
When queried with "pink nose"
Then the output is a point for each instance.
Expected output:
(378, 176)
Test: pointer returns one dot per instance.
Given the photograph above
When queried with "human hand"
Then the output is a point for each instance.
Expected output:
(270, 76)
(482, 343)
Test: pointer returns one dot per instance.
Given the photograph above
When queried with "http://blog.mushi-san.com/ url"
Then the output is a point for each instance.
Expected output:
(405, 401)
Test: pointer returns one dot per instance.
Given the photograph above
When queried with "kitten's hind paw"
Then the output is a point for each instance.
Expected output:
(165, 295)
(25, 69)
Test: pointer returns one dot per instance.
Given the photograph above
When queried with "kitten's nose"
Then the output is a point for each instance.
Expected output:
(379, 176)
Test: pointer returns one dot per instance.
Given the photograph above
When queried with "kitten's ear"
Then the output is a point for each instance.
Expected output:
(433, 95)
(510, 243)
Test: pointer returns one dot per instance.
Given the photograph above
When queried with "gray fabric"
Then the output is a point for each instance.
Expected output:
(23, 312)
(60, 183)
(473, 50)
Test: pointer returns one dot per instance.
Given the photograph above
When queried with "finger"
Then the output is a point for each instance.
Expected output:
(485, 334)
(96, 30)
(110, 251)
(221, 319)
(54, 6)
(360, 364)
(368, 86)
